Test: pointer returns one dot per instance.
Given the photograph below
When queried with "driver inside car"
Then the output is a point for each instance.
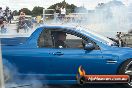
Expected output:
(60, 41)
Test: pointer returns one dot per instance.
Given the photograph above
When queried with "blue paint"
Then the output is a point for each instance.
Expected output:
(40, 62)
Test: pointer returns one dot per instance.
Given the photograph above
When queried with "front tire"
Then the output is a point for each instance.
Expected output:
(126, 68)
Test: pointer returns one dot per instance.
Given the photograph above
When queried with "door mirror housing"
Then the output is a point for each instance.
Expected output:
(89, 46)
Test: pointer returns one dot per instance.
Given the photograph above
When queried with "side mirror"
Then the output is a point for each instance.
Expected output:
(89, 46)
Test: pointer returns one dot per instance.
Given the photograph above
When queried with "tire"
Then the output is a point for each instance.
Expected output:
(126, 68)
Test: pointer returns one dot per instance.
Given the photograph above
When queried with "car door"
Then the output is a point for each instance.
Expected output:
(66, 62)
(31, 62)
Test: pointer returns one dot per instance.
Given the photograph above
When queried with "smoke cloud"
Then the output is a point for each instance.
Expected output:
(109, 18)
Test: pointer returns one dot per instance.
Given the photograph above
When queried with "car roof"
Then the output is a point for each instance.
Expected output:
(58, 26)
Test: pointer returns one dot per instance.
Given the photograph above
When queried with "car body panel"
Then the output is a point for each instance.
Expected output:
(62, 69)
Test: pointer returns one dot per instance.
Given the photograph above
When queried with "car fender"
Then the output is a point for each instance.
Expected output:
(123, 59)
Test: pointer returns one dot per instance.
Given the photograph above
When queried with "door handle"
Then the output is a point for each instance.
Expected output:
(58, 53)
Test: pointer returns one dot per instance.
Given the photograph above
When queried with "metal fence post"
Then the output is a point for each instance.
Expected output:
(43, 15)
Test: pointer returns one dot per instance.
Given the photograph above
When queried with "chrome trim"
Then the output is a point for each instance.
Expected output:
(111, 61)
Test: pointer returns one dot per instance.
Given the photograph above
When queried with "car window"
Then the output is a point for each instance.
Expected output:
(73, 41)
(62, 39)
(45, 39)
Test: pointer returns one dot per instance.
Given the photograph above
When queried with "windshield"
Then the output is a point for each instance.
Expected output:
(98, 37)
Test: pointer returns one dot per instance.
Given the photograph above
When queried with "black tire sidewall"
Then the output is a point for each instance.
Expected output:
(121, 71)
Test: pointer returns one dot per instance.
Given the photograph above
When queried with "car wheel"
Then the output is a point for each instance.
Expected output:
(126, 68)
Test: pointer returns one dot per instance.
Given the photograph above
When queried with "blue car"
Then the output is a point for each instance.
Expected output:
(54, 54)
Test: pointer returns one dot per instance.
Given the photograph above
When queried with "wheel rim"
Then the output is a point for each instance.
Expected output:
(128, 71)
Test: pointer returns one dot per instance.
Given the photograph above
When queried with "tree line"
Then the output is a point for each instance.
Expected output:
(39, 10)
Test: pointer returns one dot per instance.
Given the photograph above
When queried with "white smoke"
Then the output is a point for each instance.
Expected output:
(13, 81)
(109, 19)
(28, 82)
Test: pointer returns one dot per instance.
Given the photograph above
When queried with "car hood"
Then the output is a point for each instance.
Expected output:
(121, 48)
(125, 48)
